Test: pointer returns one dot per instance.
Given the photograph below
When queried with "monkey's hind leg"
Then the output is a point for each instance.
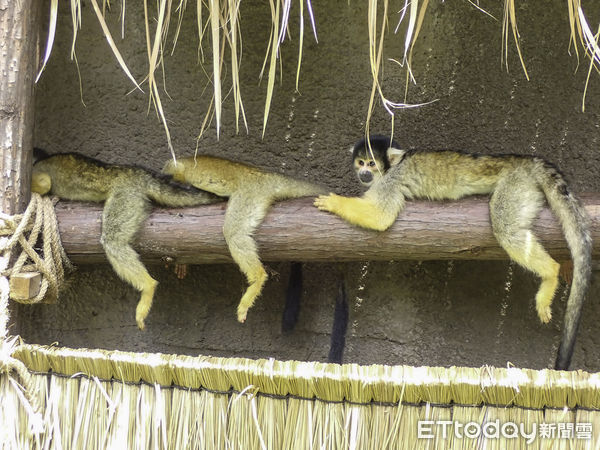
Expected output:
(244, 213)
(514, 206)
(124, 212)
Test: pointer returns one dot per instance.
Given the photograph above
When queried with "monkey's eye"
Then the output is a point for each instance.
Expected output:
(371, 163)
(361, 162)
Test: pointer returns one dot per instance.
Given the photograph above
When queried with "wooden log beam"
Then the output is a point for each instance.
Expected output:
(295, 230)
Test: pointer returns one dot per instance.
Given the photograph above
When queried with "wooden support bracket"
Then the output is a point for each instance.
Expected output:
(24, 286)
(295, 230)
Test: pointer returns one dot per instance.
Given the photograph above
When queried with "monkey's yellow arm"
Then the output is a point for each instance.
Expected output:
(359, 211)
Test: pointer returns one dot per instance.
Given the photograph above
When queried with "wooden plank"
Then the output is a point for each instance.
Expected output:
(295, 230)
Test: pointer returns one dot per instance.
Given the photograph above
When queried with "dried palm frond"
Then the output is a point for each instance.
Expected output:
(589, 42)
(416, 16)
(510, 18)
(222, 17)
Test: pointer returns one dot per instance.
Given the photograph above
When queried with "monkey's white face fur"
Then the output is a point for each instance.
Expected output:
(369, 168)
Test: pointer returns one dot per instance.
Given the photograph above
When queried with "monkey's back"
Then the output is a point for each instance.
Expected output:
(225, 177)
(210, 173)
(77, 177)
(451, 175)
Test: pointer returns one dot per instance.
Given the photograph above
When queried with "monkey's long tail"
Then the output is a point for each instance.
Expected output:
(293, 297)
(163, 190)
(575, 223)
(340, 325)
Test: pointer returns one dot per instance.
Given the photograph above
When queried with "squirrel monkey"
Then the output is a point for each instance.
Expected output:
(127, 193)
(518, 186)
(251, 191)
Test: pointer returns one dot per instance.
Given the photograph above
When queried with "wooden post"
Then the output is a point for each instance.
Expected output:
(19, 25)
(19, 31)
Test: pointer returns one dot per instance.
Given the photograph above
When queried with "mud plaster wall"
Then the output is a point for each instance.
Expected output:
(412, 312)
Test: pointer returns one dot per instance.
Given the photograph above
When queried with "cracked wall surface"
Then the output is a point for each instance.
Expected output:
(402, 312)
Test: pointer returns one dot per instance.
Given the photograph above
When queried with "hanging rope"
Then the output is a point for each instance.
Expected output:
(38, 218)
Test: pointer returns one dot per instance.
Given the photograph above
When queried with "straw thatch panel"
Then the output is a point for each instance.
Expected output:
(99, 399)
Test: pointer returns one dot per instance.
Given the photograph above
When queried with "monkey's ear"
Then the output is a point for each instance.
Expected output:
(395, 155)
(351, 150)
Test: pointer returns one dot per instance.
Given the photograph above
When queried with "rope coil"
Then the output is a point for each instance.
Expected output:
(38, 217)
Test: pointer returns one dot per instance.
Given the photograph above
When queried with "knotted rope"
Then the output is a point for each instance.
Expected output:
(38, 217)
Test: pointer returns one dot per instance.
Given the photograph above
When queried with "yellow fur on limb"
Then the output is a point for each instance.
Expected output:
(518, 187)
(251, 192)
(127, 193)
(359, 211)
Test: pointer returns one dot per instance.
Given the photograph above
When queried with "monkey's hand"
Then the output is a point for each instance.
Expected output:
(359, 211)
(331, 203)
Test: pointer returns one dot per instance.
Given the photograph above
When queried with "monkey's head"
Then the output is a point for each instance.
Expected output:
(41, 182)
(370, 166)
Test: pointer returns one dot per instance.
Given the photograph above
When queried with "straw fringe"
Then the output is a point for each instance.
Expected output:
(328, 383)
(102, 399)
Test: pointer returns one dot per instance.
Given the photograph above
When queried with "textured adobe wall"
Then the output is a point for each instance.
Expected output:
(432, 313)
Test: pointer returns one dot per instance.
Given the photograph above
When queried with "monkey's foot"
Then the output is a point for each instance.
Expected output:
(257, 276)
(328, 202)
(181, 271)
(143, 307)
(242, 313)
(543, 299)
(141, 312)
(544, 313)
